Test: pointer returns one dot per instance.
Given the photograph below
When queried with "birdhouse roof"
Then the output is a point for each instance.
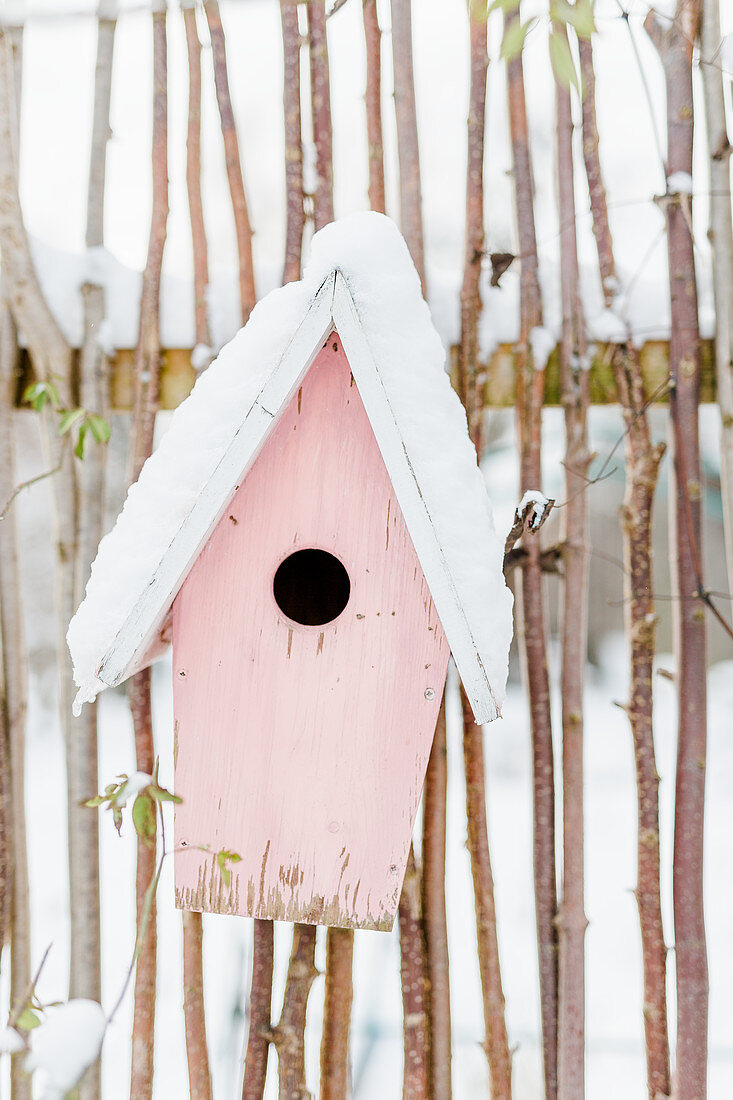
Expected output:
(360, 282)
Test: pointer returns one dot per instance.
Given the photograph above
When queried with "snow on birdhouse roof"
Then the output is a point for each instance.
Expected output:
(361, 282)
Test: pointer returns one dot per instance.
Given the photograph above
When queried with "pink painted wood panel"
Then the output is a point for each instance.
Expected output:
(304, 748)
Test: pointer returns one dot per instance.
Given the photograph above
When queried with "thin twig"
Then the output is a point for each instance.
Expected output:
(25, 485)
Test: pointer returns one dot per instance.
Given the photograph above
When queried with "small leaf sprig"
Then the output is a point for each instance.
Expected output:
(147, 794)
(78, 421)
(579, 15)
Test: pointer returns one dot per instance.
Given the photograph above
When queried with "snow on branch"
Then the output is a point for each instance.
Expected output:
(531, 512)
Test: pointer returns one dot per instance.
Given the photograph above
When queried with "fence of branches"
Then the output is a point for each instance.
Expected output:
(71, 391)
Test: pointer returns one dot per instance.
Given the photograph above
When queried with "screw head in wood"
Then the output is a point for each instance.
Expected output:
(429, 693)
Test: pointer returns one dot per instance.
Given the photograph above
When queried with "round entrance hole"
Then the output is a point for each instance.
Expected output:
(311, 587)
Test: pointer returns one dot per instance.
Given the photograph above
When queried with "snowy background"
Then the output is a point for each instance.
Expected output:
(57, 98)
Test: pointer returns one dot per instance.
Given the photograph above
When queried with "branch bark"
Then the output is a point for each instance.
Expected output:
(260, 1008)
(674, 43)
(94, 390)
(147, 390)
(193, 179)
(496, 1042)
(373, 101)
(289, 1035)
(143, 1021)
(642, 464)
(407, 139)
(335, 1084)
(197, 1053)
(242, 226)
(531, 615)
(321, 101)
(416, 1026)
(293, 140)
(434, 912)
(14, 896)
(721, 239)
(470, 377)
(571, 920)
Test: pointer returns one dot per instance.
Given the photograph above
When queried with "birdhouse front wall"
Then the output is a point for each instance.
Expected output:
(302, 744)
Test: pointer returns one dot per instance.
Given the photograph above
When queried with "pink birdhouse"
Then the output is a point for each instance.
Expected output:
(314, 585)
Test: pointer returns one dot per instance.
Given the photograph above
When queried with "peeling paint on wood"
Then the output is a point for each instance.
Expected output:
(314, 738)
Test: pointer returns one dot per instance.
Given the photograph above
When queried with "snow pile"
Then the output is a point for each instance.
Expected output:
(542, 343)
(11, 1041)
(679, 183)
(65, 1044)
(134, 783)
(374, 259)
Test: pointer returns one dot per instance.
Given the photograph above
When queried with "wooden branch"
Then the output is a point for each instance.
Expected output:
(147, 353)
(147, 389)
(335, 1084)
(571, 920)
(592, 160)
(289, 1035)
(530, 394)
(470, 388)
(496, 1043)
(260, 1009)
(14, 889)
(193, 181)
(642, 463)
(242, 226)
(407, 139)
(720, 233)
(293, 141)
(321, 101)
(675, 48)
(416, 1029)
(91, 475)
(434, 911)
(143, 1022)
(373, 101)
(197, 1054)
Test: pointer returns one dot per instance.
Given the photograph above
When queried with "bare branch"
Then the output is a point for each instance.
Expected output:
(242, 226)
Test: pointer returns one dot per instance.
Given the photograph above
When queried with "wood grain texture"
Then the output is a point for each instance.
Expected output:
(304, 748)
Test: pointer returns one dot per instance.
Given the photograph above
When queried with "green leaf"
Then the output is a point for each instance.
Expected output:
(578, 15)
(514, 36)
(68, 418)
(160, 794)
(39, 394)
(116, 817)
(99, 428)
(96, 801)
(563, 65)
(224, 857)
(81, 441)
(143, 818)
(27, 1020)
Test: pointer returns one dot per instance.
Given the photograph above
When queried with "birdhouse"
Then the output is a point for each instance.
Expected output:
(314, 537)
